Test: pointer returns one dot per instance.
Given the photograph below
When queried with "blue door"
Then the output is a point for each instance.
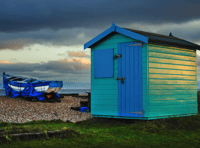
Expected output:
(130, 79)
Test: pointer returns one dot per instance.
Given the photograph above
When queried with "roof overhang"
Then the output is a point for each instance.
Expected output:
(117, 29)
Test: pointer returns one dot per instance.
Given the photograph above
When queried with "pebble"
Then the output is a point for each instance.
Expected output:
(17, 110)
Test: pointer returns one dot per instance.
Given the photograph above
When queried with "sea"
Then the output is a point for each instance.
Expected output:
(62, 91)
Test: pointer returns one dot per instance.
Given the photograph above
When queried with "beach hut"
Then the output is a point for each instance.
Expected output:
(142, 75)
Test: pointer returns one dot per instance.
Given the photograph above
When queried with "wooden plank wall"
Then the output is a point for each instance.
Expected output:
(172, 81)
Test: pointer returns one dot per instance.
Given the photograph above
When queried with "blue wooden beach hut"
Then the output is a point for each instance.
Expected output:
(142, 75)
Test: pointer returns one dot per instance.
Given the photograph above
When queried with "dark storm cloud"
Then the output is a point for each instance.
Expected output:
(63, 37)
(64, 23)
(17, 16)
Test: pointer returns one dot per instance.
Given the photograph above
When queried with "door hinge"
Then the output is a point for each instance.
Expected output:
(142, 112)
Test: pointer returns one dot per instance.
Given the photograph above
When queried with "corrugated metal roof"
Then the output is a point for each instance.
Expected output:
(169, 40)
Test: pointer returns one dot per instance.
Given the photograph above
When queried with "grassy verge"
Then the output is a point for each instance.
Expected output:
(31, 126)
(174, 132)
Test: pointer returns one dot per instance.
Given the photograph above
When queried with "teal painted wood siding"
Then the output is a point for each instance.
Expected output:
(172, 81)
(104, 91)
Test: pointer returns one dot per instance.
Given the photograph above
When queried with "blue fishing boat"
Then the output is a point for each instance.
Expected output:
(37, 90)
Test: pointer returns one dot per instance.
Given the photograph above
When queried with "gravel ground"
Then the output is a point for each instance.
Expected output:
(17, 110)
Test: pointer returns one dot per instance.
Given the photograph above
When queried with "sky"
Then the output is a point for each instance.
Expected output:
(45, 39)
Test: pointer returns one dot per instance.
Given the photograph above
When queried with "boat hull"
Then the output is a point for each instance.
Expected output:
(19, 86)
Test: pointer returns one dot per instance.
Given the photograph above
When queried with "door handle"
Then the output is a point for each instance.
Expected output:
(121, 78)
(116, 56)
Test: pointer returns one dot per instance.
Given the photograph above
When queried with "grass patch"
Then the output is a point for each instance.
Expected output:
(102, 132)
